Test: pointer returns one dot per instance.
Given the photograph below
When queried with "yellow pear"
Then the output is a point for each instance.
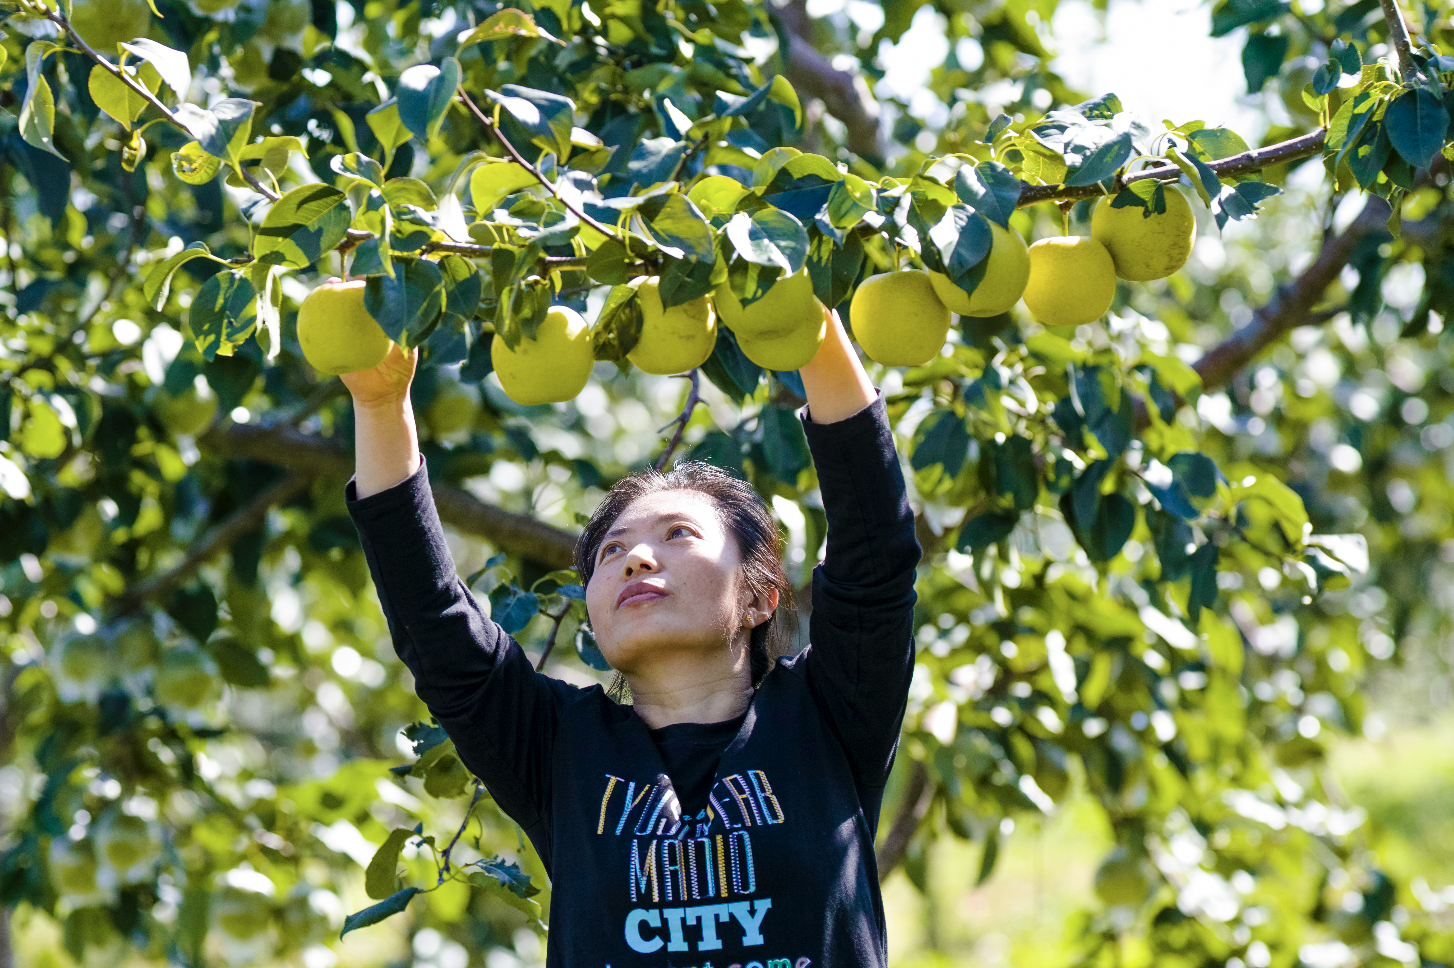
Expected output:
(898, 320)
(1003, 283)
(788, 351)
(789, 305)
(452, 409)
(1146, 247)
(672, 340)
(338, 335)
(1072, 280)
(551, 368)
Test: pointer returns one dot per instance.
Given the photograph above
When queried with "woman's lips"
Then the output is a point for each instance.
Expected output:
(638, 592)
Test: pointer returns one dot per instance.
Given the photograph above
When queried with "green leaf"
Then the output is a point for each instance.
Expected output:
(506, 24)
(784, 444)
(962, 239)
(119, 99)
(392, 905)
(682, 231)
(1103, 163)
(386, 125)
(302, 226)
(1203, 593)
(408, 303)
(507, 882)
(1240, 201)
(512, 609)
(382, 871)
(1262, 59)
(223, 130)
(172, 65)
(222, 313)
(589, 651)
(1231, 14)
(424, 93)
(239, 665)
(1416, 123)
(193, 165)
(655, 160)
(990, 189)
(941, 439)
(1213, 144)
(730, 370)
(781, 91)
(159, 281)
(850, 199)
(491, 182)
(719, 195)
(986, 529)
(770, 237)
(548, 117)
(1114, 521)
(359, 166)
(38, 112)
(1285, 504)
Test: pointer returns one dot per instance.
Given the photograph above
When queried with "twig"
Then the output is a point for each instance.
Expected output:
(357, 237)
(479, 790)
(554, 631)
(238, 523)
(1398, 36)
(694, 397)
(913, 808)
(489, 123)
(1304, 146)
(148, 96)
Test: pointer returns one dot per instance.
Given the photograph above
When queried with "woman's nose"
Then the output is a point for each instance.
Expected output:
(639, 559)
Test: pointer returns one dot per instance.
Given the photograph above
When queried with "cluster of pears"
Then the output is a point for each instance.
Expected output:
(899, 318)
(1073, 278)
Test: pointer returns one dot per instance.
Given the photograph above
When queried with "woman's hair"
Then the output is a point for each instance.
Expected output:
(744, 516)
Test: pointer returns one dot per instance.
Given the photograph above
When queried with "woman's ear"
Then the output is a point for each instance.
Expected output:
(760, 608)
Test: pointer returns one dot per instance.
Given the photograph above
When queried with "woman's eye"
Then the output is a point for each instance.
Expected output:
(680, 529)
(609, 549)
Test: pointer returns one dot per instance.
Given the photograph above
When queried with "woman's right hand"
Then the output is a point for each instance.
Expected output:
(387, 384)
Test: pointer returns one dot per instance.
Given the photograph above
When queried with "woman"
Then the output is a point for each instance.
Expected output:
(727, 817)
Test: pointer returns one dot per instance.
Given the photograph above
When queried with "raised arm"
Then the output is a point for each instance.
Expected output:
(861, 631)
(473, 677)
(836, 384)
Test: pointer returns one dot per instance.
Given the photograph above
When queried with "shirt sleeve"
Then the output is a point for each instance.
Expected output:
(861, 653)
(475, 679)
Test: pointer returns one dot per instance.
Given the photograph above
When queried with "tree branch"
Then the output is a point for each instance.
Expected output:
(1290, 308)
(913, 808)
(238, 523)
(844, 95)
(284, 446)
(1398, 36)
(1304, 146)
(694, 397)
(494, 129)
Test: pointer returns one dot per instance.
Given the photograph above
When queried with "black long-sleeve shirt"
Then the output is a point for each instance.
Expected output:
(777, 869)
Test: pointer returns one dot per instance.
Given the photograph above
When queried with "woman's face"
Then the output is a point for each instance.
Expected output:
(667, 582)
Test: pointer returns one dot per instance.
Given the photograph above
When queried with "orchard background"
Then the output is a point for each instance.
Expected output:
(1173, 559)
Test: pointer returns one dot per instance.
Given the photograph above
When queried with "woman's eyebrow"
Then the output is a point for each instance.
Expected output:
(659, 519)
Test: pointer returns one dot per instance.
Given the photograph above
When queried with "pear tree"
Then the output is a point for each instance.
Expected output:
(1172, 522)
